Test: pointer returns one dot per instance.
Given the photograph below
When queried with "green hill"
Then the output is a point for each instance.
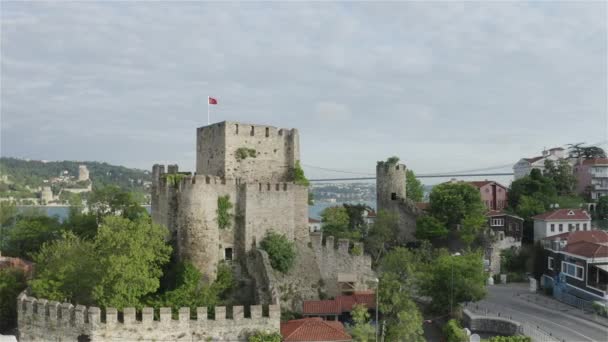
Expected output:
(22, 178)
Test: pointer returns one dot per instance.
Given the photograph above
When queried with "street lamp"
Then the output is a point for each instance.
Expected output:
(452, 287)
(377, 281)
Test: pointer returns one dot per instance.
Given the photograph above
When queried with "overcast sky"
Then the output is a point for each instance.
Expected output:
(445, 86)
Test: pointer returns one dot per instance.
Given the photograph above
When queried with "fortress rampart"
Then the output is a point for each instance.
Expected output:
(42, 320)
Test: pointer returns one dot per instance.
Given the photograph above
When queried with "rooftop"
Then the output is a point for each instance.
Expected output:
(313, 329)
(597, 161)
(338, 305)
(563, 214)
(588, 244)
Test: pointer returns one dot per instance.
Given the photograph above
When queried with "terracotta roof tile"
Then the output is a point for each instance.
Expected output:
(587, 249)
(597, 161)
(312, 220)
(423, 205)
(321, 307)
(339, 305)
(313, 329)
(564, 214)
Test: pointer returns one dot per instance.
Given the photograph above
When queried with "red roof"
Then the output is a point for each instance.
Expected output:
(18, 263)
(313, 329)
(311, 220)
(371, 213)
(479, 184)
(587, 249)
(597, 161)
(339, 305)
(423, 205)
(587, 243)
(564, 214)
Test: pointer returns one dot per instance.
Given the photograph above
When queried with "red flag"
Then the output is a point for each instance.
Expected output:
(212, 101)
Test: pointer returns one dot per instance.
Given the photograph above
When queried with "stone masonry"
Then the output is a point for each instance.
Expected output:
(391, 197)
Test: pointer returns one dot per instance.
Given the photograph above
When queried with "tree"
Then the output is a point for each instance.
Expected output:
(413, 187)
(112, 200)
(8, 216)
(562, 176)
(66, 270)
(298, 175)
(453, 332)
(535, 184)
(402, 317)
(430, 228)
(586, 152)
(355, 215)
(601, 208)
(335, 216)
(131, 255)
(12, 282)
(453, 280)
(472, 226)
(405, 265)
(361, 330)
(382, 234)
(281, 251)
(29, 233)
(264, 336)
(451, 202)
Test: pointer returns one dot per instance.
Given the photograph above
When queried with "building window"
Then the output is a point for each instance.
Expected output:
(228, 254)
(498, 222)
(550, 263)
(552, 227)
(570, 227)
(577, 226)
(561, 227)
(584, 226)
(572, 270)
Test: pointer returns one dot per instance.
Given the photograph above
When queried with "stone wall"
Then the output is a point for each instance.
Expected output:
(391, 197)
(332, 261)
(496, 325)
(262, 273)
(276, 149)
(41, 320)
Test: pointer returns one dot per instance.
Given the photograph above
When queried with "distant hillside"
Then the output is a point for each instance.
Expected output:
(29, 175)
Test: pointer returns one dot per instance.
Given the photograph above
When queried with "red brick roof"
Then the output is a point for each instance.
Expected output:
(587, 249)
(18, 263)
(564, 214)
(371, 213)
(339, 305)
(597, 161)
(312, 220)
(588, 243)
(423, 205)
(313, 329)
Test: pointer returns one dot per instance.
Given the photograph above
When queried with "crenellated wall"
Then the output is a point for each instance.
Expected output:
(41, 320)
(333, 261)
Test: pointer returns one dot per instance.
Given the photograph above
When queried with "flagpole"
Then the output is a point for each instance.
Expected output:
(208, 121)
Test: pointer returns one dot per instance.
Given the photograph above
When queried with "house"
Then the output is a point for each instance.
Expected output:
(507, 230)
(592, 177)
(25, 266)
(577, 265)
(339, 308)
(369, 216)
(314, 225)
(560, 221)
(525, 165)
(314, 329)
(493, 195)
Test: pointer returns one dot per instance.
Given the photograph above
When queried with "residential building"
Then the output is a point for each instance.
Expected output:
(525, 165)
(560, 221)
(338, 309)
(577, 265)
(25, 266)
(314, 329)
(507, 230)
(369, 216)
(314, 225)
(592, 177)
(493, 194)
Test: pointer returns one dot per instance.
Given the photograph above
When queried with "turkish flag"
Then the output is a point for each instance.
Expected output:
(212, 101)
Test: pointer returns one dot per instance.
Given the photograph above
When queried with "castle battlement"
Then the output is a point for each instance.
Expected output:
(343, 247)
(64, 319)
(234, 128)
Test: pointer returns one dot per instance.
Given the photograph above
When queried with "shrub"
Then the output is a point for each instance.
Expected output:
(223, 212)
(509, 339)
(600, 309)
(298, 175)
(281, 251)
(263, 336)
(356, 250)
(12, 282)
(453, 332)
(244, 152)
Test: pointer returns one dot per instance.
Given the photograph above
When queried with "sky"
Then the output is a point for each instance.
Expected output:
(446, 86)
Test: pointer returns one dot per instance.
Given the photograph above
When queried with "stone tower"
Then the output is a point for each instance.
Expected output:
(391, 197)
(251, 167)
(83, 173)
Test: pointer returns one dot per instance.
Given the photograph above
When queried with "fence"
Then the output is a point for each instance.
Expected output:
(535, 332)
(575, 301)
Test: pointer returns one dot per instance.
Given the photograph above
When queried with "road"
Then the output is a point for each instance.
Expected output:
(562, 321)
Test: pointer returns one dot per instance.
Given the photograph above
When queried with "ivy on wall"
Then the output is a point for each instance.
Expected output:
(245, 152)
(224, 217)
(174, 178)
(298, 175)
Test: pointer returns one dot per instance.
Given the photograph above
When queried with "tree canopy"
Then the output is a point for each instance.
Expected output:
(281, 251)
(451, 202)
(561, 174)
(585, 152)
(413, 187)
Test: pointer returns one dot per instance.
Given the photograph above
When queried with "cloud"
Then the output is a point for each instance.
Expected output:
(331, 111)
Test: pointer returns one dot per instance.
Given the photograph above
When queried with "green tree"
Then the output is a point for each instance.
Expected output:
(355, 215)
(402, 316)
(453, 332)
(29, 233)
(534, 185)
(361, 330)
(264, 336)
(66, 270)
(83, 225)
(112, 200)
(298, 175)
(586, 152)
(413, 187)
(430, 228)
(131, 255)
(335, 216)
(451, 202)
(453, 280)
(12, 282)
(472, 226)
(561, 174)
(382, 234)
(8, 217)
(601, 208)
(281, 251)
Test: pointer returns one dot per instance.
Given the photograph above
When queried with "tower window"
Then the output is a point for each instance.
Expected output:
(252, 131)
(267, 132)
(237, 129)
(228, 254)
(397, 167)
(393, 196)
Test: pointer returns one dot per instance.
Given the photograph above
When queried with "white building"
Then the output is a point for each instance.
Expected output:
(560, 221)
(46, 195)
(525, 165)
(314, 225)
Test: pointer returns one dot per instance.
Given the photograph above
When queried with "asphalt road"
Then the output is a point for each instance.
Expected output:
(562, 321)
